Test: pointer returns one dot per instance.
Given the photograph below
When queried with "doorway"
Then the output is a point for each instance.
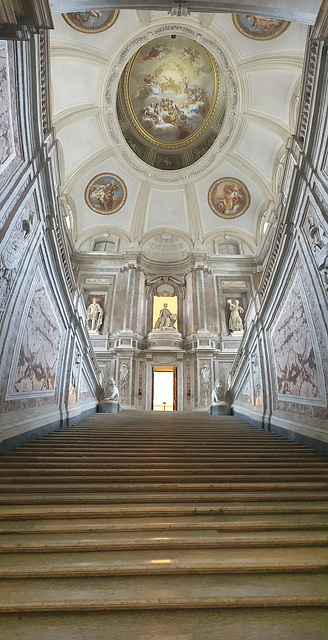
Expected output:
(164, 389)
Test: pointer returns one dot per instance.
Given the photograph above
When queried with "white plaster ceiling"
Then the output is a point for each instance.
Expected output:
(266, 75)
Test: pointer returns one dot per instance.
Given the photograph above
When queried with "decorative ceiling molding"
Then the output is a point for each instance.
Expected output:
(144, 16)
(99, 232)
(252, 172)
(91, 163)
(269, 122)
(76, 52)
(68, 117)
(174, 177)
(139, 217)
(195, 220)
(275, 61)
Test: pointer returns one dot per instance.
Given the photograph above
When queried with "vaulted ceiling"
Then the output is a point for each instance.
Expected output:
(262, 82)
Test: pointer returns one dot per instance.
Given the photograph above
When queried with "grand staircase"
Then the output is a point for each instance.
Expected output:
(153, 526)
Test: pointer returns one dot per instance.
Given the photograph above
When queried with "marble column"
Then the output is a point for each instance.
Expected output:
(129, 301)
(201, 302)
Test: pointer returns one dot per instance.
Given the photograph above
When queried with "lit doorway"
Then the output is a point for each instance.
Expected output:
(164, 389)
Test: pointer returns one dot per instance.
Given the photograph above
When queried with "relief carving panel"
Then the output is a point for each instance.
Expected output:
(299, 370)
(37, 352)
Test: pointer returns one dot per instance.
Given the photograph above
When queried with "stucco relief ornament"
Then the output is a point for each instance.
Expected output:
(205, 379)
(91, 21)
(259, 28)
(106, 193)
(229, 198)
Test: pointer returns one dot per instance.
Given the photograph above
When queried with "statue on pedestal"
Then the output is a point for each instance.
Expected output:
(217, 393)
(95, 316)
(235, 321)
(111, 391)
(166, 319)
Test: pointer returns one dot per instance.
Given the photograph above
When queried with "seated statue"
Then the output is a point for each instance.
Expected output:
(166, 319)
(111, 391)
(217, 393)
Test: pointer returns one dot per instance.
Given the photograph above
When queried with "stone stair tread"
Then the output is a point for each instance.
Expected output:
(167, 509)
(270, 487)
(277, 623)
(160, 592)
(163, 561)
(169, 499)
(76, 541)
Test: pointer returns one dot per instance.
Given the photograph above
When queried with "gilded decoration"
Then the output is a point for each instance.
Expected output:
(259, 28)
(171, 89)
(106, 193)
(91, 21)
(229, 198)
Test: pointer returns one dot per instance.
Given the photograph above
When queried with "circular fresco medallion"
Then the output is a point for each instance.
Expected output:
(91, 21)
(170, 90)
(106, 193)
(259, 28)
(228, 198)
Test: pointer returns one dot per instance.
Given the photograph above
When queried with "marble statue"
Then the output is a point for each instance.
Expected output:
(235, 321)
(111, 391)
(217, 393)
(95, 316)
(166, 319)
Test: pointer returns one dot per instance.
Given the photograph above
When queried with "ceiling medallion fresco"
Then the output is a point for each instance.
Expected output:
(229, 198)
(259, 28)
(106, 193)
(170, 90)
(91, 21)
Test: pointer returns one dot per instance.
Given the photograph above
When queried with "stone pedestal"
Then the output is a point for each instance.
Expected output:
(220, 409)
(167, 338)
(109, 406)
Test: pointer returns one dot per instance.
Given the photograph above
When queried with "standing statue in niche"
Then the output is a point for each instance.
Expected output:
(94, 316)
(205, 378)
(166, 319)
(235, 321)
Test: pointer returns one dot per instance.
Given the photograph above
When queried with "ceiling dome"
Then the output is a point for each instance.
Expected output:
(171, 102)
(165, 247)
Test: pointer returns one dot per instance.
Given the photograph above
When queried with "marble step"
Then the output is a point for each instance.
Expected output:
(163, 497)
(55, 511)
(259, 623)
(163, 562)
(198, 522)
(273, 487)
(29, 478)
(173, 539)
(138, 466)
(202, 591)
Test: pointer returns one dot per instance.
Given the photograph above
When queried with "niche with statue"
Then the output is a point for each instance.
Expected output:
(164, 312)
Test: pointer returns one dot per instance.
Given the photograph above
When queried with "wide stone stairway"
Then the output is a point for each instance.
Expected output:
(153, 526)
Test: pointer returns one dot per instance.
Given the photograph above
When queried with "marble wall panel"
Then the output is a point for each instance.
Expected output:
(14, 249)
(9, 130)
(244, 395)
(315, 229)
(298, 365)
(37, 353)
(257, 386)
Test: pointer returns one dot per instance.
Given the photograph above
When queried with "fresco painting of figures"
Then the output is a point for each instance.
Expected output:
(259, 28)
(171, 89)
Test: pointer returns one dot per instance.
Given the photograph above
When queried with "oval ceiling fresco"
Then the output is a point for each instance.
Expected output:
(170, 90)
